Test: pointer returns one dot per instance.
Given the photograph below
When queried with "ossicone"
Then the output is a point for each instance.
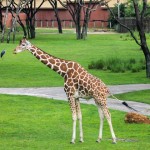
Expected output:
(24, 37)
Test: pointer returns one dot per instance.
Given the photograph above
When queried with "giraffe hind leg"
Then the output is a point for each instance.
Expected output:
(101, 115)
(108, 117)
(104, 112)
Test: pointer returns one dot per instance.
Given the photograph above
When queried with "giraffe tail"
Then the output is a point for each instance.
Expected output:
(124, 103)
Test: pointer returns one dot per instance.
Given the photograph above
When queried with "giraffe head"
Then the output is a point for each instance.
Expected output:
(24, 45)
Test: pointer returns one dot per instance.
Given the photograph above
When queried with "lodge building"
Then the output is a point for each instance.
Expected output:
(45, 17)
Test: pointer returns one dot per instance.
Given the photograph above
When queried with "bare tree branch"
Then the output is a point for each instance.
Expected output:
(143, 9)
(91, 9)
(8, 3)
(132, 34)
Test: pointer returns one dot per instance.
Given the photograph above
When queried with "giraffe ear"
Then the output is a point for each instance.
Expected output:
(24, 37)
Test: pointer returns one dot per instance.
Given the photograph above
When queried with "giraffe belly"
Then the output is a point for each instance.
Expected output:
(80, 94)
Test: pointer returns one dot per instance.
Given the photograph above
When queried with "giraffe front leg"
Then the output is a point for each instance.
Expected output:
(79, 115)
(74, 118)
(101, 115)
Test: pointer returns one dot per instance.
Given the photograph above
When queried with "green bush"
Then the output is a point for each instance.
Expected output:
(118, 65)
(132, 61)
(98, 65)
(136, 68)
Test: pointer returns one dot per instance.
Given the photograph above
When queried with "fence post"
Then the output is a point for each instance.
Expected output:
(110, 24)
(70, 23)
(102, 23)
(94, 23)
(52, 23)
(64, 23)
(41, 23)
(47, 23)
(35, 23)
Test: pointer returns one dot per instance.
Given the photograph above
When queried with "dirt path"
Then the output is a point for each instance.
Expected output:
(59, 94)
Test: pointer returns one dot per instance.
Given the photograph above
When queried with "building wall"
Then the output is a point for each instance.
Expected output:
(9, 18)
(46, 18)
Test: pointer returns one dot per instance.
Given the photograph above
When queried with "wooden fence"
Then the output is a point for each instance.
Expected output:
(131, 23)
(70, 24)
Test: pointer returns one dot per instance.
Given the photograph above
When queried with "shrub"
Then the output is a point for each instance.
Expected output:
(97, 65)
(118, 65)
(136, 68)
(132, 61)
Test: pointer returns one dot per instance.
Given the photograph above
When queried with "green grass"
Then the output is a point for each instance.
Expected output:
(138, 96)
(23, 70)
(30, 123)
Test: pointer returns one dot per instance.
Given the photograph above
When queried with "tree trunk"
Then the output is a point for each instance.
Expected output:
(78, 31)
(23, 27)
(148, 66)
(78, 23)
(54, 5)
(32, 31)
(85, 24)
(1, 17)
(4, 26)
(58, 22)
(30, 28)
(147, 59)
(140, 28)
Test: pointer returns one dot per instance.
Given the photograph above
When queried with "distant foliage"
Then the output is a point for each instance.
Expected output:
(118, 65)
(127, 10)
(128, 37)
(115, 11)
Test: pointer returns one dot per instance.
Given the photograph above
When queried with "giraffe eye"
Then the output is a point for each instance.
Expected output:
(23, 44)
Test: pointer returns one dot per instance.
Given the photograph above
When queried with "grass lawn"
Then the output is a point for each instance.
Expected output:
(31, 123)
(138, 96)
(23, 70)
(28, 123)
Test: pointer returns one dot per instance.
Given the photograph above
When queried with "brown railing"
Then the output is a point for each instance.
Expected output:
(131, 23)
(70, 23)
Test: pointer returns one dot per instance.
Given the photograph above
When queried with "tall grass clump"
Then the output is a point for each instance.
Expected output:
(118, 65)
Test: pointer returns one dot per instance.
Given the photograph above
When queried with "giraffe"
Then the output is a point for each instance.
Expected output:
(78, 83)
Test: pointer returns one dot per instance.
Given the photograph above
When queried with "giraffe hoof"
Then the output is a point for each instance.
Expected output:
(81, 141)
(72, 142)
(98, 140)
(114, 142)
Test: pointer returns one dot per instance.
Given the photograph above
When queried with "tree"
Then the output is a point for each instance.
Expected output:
(122, 8)
(129, 9)
(54, 5)
(1, 16)
(139, 16)
(8, 3)
(15, 10)
(30, 10)
(76, 8)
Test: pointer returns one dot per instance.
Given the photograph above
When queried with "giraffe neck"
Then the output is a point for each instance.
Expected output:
(56, 64)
